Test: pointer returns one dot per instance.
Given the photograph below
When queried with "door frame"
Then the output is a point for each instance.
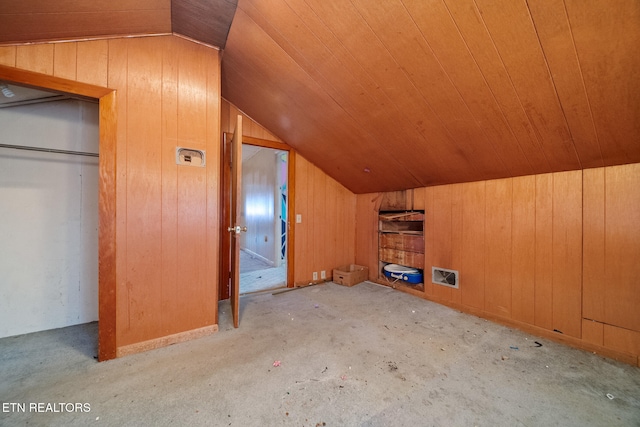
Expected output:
(225, 213)
(106, 191)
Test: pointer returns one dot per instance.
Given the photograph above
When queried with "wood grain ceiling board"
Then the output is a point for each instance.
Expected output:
(514, 35)
(314, 124)
(457, 90)
(414, 58)
(607, 40)
(554, 31)
(375, 125)
(39, 20)
(389, 109)
(364, 45)
(453, 54)
(470, 25)
(205, 20)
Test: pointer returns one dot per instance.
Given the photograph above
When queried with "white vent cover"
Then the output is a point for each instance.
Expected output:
(445, 277)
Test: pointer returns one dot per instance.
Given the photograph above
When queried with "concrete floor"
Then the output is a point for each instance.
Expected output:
(360, 356)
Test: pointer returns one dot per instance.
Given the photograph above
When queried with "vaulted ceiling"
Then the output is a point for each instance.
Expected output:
(396, 94)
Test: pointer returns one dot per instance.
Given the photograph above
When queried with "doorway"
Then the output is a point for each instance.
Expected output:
(49, 178)
(106, 190)
(263, 248)
(261, 272)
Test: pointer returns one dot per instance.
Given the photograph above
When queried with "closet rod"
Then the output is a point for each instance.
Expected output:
(49, 150)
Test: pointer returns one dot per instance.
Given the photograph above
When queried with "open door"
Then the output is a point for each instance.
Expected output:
(234, 228)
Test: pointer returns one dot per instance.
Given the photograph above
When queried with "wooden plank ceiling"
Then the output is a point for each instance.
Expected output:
(22, 21)
(398, 94)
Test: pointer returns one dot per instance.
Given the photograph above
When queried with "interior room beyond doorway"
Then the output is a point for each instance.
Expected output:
(263, 248)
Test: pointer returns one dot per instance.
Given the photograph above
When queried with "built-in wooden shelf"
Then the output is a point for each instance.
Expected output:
(401, 241)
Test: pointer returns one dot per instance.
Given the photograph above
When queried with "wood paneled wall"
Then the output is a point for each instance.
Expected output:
(325, 239)
(167, 94)
(527, 257)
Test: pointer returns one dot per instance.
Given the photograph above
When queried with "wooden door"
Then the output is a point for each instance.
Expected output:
(234, 227)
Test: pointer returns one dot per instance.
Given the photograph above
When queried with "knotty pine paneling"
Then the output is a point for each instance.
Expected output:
(160, 209)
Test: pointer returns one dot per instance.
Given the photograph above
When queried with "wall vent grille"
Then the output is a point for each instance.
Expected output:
(445, 277)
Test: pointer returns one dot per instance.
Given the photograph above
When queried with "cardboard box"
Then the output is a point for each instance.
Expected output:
(349, 275)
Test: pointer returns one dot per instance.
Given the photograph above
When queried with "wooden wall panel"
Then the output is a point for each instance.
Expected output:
(567, 253)
(303, 230)
(543, 252)
(498, 249)
(472, 269)
(65, 61)
(543, 304)
(620, 339)
(8, 55)
(594, 273)
(440, 237)
(37, 58)
(622, 246)
(152, 305)
(328, 211)
(92, 64)
(367, 232)
(523, 235)
(172, 298)
(144, 207)
(457, 243)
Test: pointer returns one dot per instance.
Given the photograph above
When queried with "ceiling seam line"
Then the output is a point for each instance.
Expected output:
(484, 24)
(484, 77)
(553, 84)
(446, 129)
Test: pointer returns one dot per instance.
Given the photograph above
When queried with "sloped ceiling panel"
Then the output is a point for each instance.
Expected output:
(406, 93)
(205, 20)
(41, 20)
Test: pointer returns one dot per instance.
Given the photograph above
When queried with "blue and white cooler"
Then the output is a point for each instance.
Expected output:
(400, 272)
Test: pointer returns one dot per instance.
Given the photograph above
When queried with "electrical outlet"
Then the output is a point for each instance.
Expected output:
(323, 274)
(315, 275)
(298, 219)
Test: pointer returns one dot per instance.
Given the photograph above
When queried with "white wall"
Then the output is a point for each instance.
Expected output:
(258, 205)
(48, 217)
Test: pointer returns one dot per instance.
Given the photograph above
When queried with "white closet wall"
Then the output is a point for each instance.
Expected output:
(48, 217)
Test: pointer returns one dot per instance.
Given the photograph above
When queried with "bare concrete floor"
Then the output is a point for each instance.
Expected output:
(360, 356)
